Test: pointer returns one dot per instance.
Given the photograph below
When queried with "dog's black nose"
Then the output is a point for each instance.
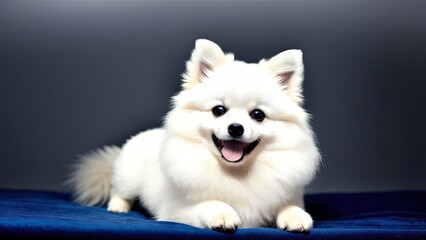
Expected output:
(235, 130)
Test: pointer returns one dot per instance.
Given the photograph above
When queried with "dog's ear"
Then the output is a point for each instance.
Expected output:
(287, 66)
(205, 57)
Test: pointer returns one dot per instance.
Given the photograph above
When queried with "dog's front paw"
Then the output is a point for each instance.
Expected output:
(294, 219)
(220, 217)
(225, 222)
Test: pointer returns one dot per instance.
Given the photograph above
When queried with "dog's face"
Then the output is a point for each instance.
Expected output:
(238, 109)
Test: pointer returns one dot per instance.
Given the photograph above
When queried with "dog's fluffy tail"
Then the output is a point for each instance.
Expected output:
(90, 179)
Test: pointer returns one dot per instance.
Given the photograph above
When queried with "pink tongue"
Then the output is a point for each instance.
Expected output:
(232, 150)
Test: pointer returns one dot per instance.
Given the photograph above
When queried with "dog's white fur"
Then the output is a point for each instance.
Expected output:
(178, 173)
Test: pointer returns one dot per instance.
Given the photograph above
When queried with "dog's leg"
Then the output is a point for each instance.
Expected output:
(294, 219)
(211, 214)
(292, 216)
(118, 203)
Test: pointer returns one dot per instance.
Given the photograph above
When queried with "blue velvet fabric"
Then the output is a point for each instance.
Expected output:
(389, 215)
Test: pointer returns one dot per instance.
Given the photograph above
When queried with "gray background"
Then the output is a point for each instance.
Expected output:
(76, 75)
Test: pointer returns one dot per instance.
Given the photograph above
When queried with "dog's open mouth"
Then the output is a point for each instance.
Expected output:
(233, 150)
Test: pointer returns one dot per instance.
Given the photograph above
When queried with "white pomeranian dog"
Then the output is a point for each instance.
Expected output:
(236, 149)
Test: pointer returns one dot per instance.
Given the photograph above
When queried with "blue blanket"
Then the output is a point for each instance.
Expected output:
(389, 215)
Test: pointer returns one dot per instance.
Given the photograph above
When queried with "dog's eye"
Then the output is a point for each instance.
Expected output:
(219, 111)
(257, 115)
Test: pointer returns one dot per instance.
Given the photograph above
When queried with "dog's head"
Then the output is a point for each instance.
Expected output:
(237, 109)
